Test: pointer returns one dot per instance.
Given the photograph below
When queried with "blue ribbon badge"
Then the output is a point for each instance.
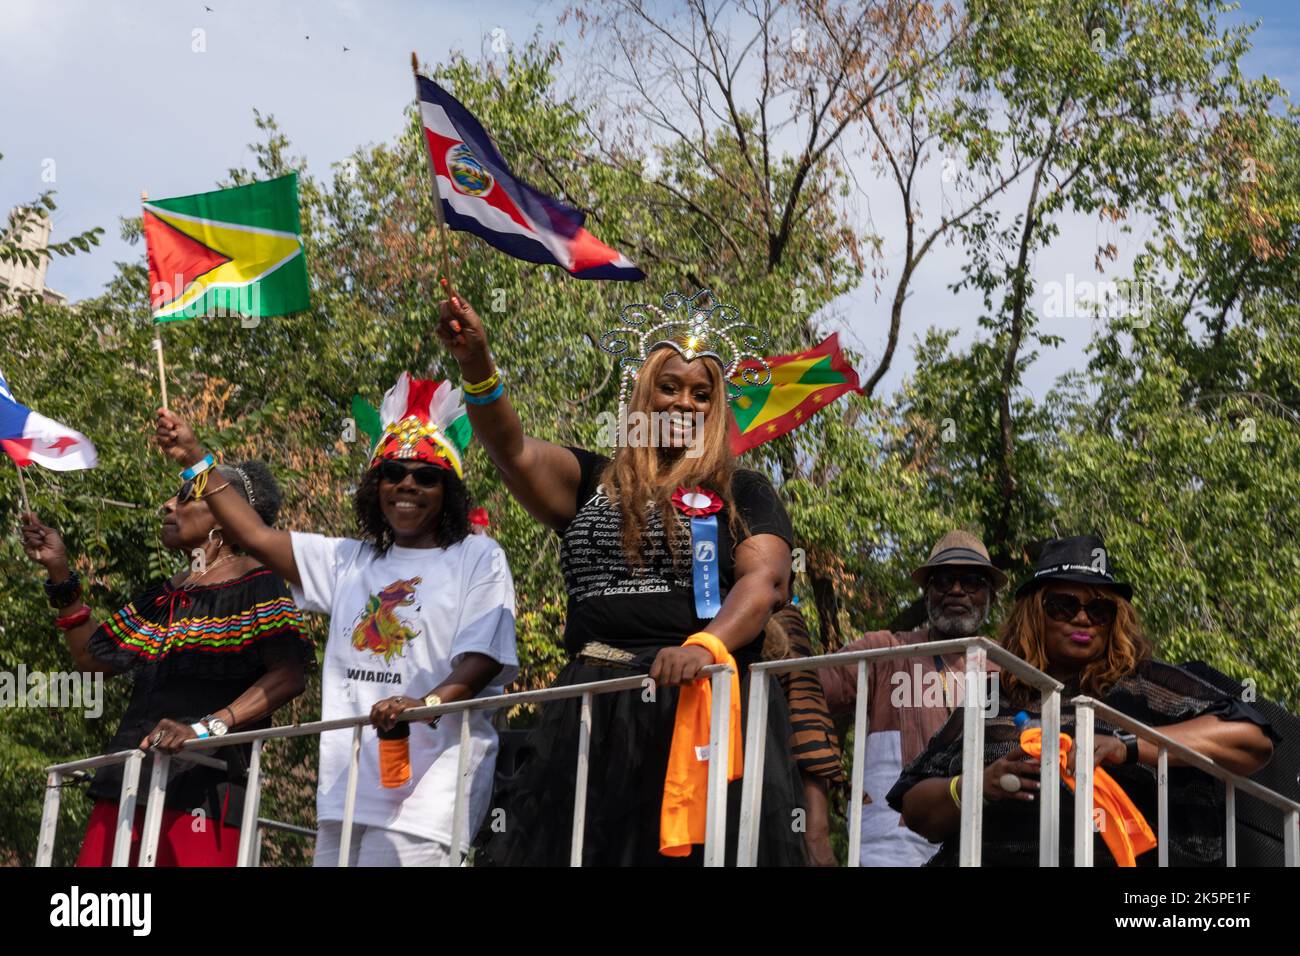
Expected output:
(702, 507)
(704, 567)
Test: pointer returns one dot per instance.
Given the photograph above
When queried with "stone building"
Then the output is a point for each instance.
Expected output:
(22, 277)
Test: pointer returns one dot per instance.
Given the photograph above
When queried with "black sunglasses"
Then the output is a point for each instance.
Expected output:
(1064, 607)
(971, 581)
(394, 472)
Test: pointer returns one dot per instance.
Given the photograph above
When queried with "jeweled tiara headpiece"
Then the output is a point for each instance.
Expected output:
(696, 326)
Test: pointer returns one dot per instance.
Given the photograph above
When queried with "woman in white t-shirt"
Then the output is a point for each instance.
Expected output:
(421, 612)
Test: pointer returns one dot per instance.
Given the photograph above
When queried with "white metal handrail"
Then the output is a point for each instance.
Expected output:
(131, 759)
(263, 824)
(250, 826)
(978, 651)
(1085, 710)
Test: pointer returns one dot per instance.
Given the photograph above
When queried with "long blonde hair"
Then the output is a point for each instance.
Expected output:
(1023, 634)
(634, 476)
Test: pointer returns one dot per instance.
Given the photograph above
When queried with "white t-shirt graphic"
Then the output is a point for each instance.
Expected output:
(399, 623)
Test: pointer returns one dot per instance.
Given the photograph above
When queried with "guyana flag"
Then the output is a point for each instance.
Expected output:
(800, 386)
(230, 252)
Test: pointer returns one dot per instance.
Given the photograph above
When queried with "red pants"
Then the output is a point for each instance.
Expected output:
(185, 839)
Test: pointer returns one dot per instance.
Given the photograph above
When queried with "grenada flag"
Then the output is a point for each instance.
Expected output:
(229, 252)
(800, 386)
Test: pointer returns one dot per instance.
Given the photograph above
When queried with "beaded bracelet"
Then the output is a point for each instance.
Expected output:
(489, 398)
(64, 593)
(478, 388)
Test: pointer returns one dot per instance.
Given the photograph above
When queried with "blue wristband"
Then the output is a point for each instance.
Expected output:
(198, 468)
(487, 399)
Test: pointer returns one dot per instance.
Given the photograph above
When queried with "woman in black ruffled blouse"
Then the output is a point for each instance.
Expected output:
(215, 648)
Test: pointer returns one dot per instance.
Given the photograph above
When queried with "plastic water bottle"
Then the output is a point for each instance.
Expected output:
(1024, 723)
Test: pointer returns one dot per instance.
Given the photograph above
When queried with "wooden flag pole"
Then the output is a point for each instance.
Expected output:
(162, 369)
(157, 339)
(22, 487)
(433, 176)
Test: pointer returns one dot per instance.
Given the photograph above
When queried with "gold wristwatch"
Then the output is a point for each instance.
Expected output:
(433, 700)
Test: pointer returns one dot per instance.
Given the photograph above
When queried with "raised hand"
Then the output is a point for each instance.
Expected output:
(461, 330)
(43, 545)
(176, 438)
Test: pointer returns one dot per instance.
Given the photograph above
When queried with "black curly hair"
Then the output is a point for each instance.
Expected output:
(453, 522)
(254, 476)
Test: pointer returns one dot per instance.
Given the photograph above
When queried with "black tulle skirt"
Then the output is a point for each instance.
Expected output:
(630, 741)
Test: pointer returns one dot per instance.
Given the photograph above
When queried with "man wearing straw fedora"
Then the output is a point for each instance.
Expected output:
(910, 700)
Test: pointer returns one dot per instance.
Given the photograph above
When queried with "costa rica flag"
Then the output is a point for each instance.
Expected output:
(480, 195)
(28, 438)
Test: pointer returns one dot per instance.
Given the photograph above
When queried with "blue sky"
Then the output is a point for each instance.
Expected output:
(117, 96)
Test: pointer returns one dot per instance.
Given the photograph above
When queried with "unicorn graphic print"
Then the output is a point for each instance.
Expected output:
(378, 628)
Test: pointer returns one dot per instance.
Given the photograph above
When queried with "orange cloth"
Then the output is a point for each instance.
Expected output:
(686, 786)
(1125, 831)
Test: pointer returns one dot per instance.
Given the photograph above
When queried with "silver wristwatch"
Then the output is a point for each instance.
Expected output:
(216, 726)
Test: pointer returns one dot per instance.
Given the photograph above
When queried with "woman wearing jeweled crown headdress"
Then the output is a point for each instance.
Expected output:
(673, 560)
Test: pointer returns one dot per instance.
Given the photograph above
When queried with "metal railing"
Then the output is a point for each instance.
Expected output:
(251, 825)
(978, 652)
(1086, 710)
(131, 761)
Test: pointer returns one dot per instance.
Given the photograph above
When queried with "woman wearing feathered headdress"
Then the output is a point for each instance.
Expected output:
(421, 613)
(673, 560)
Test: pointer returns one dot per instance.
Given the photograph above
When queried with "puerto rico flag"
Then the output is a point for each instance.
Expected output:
(479, 194)
(28, 437)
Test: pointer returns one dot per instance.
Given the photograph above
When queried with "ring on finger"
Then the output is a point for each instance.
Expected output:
(1009, 782)
(156, 739)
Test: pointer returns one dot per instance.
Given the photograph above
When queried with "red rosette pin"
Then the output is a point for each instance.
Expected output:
(696, 502)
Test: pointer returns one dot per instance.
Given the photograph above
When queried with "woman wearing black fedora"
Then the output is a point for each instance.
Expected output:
(1075, 621)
